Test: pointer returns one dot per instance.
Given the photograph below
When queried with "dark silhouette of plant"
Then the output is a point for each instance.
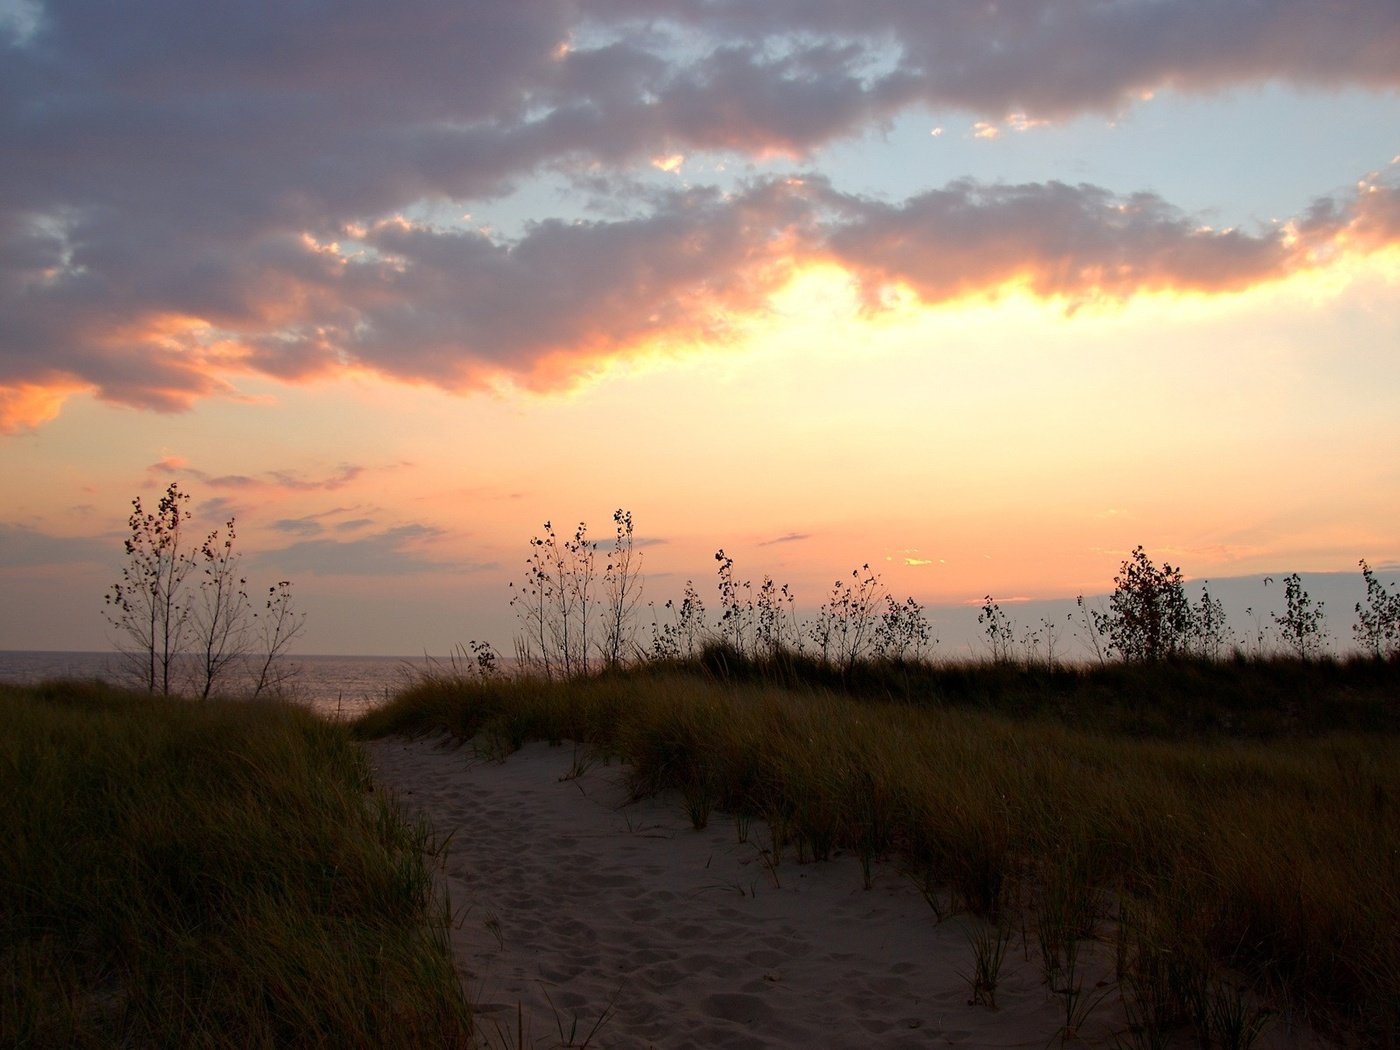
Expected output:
(768, 624)
(690, 624)
(773, 612)
(1001, 635)
(533, 602)
(1030, 645)
(279, 623)
(736, 619)
(1053, 633)
(1301, 628)
(567, 619)
(1149, 617)
(903, 632)
(148, 606)
(220, 616)
(622, 582)
(162, 616)
(1038, 645)
(579, 576)
(845, 625)
(1090, 619)
(1377, 627)
(684, 634)
(229, 632)
(556, 603)
(664, 643)
(1256, 643)
(486, 660)
(1210, 631)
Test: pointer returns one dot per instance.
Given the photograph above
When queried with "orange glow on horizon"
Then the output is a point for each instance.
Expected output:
(784, 295)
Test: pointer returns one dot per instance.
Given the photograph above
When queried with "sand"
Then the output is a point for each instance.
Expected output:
(571, 902)
(574, 905)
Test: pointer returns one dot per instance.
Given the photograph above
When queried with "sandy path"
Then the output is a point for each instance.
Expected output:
(568, 899)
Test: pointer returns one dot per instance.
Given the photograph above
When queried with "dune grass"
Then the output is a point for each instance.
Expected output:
(214, 874)
(1245, 858)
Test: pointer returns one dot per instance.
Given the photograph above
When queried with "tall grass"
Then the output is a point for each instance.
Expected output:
(1273, 858)
(209, 875)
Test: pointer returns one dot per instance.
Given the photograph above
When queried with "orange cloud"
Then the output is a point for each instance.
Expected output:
(27, 405)
(463, 310)
(1080, 243)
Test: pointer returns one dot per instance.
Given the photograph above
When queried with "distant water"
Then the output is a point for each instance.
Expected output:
(337, 686)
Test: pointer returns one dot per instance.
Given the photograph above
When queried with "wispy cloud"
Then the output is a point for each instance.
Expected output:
(343, 476)
(298, 526)
(22, 546)
(790, 537)
(398, 551)
(1013, 599)
(287, 480)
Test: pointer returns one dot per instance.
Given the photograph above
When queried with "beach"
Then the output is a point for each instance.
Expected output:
(574, 905)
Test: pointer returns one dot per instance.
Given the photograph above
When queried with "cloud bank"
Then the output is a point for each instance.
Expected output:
(195, 194)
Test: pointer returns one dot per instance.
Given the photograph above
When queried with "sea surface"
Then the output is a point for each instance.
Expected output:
(335, 686)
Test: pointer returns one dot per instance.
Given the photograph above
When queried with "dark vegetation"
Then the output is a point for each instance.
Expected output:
(181, 611)
(1243, 697)
(209, 875)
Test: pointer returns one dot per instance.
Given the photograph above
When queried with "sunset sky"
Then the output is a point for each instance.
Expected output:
(982, 294)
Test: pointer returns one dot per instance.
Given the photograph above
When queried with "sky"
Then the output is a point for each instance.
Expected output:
(981, 294)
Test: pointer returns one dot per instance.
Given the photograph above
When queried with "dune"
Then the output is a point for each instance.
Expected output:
(586, 918)
(573, 903)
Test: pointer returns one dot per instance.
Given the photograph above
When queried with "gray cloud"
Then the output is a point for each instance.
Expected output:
(220, 509)
(1058, 57)
(176, 174)
(392, 552)
(284, 479)
(343, 476)
(1072, 241)
(448, 305)
(21, 546)
(297, 526)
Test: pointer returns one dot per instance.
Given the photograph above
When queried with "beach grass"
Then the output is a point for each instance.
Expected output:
(209, 874)
(1236, 846)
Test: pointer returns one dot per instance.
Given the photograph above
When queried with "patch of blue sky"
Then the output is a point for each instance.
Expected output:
(1238, 159)
(555, 194)
(20, 19)
(1244, 158)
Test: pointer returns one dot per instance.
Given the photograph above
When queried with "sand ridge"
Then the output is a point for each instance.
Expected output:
(572, 901)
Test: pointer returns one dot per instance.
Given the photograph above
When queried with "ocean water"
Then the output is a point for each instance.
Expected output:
(336, 686)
